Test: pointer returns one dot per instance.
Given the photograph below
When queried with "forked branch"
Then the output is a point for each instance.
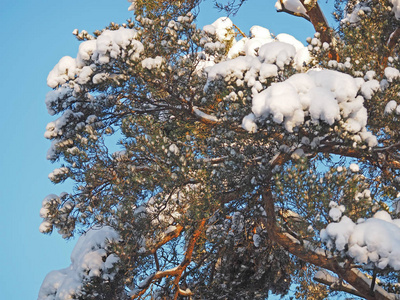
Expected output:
(178, 270)
(168, 237)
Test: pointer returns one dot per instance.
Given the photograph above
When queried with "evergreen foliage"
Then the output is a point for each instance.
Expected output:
(214, 190)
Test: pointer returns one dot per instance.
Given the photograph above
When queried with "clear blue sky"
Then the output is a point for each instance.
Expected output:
(34, 36)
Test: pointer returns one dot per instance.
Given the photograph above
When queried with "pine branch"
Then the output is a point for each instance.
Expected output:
(203, 117)
(304, 252)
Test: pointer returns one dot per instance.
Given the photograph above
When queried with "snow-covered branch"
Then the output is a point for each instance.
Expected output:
(203, 117)
(335, 283)
(298, 12)
(318, 258)
(90, 258)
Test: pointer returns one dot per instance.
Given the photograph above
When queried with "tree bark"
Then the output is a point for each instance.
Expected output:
(391, 44)
(318, 20)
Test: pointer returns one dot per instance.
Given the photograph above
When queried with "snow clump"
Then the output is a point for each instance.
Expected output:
(151, 63)
(390, 107)
(391, 74)
(222, 28)
(354, 168)
(292, 5)
(374, 241)
(321, 95)
(133, 5)
(324, 95)
(89, 258)
(396, 8)
(109, 45)
(336, 211)
(248, 123)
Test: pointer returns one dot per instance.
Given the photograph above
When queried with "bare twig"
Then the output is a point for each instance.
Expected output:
(240, 31)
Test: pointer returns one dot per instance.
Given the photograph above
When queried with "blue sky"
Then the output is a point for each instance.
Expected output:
(35, 35)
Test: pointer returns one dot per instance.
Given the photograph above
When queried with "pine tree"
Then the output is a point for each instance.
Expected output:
(241, 167)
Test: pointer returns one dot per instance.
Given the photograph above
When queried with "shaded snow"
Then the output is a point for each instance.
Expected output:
(89, 258)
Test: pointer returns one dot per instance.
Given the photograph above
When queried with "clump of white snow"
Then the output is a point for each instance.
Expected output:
(109, 45)
(55, 128)
(249, 46)
(369, 88)
(89, 258)
(323, 95)
(222, 28)
(354, 168)
(390, 107)
(249, 124)
(392, 74)
(151, 63)
(133, 5)
(396, 8)
(356, 12)
(336, 211)
(65, 69)
(373, 241)
(366, 194)
(291, 5)
(260, 32)
(235, 67)
(279, 53)
(174, 149)
(57, 173)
